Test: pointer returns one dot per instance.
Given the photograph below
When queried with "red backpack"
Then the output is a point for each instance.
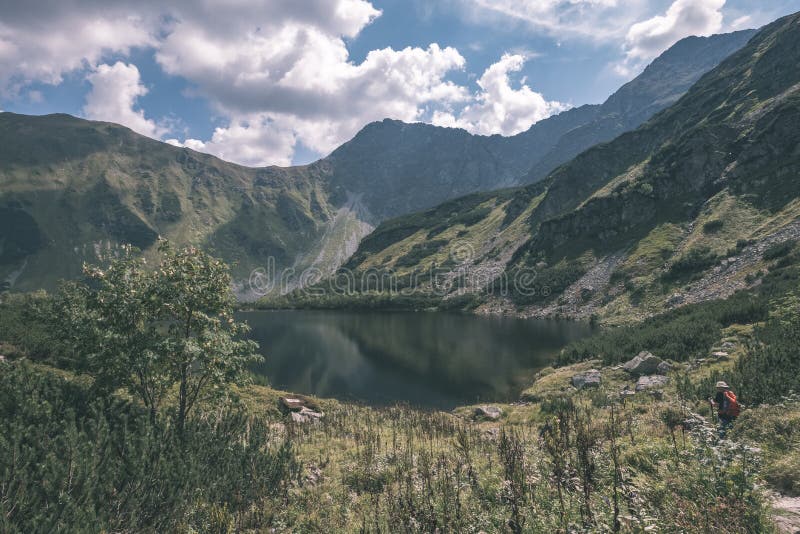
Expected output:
(731, 406)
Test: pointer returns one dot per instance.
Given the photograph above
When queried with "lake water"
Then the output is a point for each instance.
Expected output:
(425, 359)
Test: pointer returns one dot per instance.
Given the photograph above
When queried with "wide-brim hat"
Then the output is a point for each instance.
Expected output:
(723, 385)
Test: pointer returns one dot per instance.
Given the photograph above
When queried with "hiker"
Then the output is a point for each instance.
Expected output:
(727, 407)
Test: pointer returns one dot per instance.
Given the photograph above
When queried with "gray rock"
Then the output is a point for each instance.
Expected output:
(728, 345)
(643, 363)
(587, 379)
(627, 392)
(676, 299)
(693, 421)
(313, 475)
(650, 382)
(664, 368)
(487, 412)
(306, 415)
(292, 403)
(721, 356)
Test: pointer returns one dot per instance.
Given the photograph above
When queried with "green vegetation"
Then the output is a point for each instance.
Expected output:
(75, 461)
(75, 191)
(152, 330)
(586, 460)
(686, 333)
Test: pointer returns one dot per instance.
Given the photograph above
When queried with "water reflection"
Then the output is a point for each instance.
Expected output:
(434, 360)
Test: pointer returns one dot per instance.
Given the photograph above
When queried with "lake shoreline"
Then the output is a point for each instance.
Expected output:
(428, 359)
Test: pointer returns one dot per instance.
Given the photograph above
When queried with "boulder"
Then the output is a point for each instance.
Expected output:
(676, 299)
(728, 345)
(644, 363)
(721, 356)
(306, 415)
(487, 412)
(587, 379)
(293, 404)
(650, 382)
(587, 293)
(693, 421)
(627, 392)
(664, 368)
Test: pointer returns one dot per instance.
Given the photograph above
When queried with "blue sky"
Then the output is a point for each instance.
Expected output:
(286, 81)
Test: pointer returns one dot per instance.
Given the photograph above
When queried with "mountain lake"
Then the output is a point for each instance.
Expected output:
(431, 360)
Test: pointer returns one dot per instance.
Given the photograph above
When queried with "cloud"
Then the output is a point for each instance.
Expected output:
(499, 108)
(256, 142)
(647, 39)
(298, 77)
(278, 72)
(591, 19)
(115, 89)
(41, 41)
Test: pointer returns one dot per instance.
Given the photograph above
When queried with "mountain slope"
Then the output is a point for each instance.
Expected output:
(661, 84)
(402, 168)
(685, 208)
(73, 190)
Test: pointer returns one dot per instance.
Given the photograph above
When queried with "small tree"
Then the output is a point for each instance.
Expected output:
(152, 330)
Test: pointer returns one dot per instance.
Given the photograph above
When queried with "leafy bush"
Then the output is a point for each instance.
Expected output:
(73, 460)
(770, 369)
(419, 252)
(22, 326)
(778, 250)
(713, 226)
(681, 334)
(784, 474)
(695, 261)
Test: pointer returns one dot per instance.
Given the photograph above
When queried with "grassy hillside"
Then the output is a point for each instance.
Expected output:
(562, 459)
(683, 209)
(73, 190)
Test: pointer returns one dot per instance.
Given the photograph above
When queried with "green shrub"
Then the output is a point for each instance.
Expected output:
(713, 226)
(784, 474)
(679, 335)
(690, 264)
(778, 250)
(72, 460)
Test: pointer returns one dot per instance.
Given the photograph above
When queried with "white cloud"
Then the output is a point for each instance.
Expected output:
(647, 39)
(115, 89)
(256, 142)
(279, 71)
(591, 19)
(499, 108)
(299, 78)
(41, 42)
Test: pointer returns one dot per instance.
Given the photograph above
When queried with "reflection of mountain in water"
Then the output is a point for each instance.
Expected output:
(427, 359)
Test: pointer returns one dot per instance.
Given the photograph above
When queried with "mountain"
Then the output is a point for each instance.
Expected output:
(401, 168)
(659, 86)
(73, 191)
(700, 201)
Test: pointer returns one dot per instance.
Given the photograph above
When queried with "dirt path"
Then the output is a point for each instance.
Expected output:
(787, 514)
